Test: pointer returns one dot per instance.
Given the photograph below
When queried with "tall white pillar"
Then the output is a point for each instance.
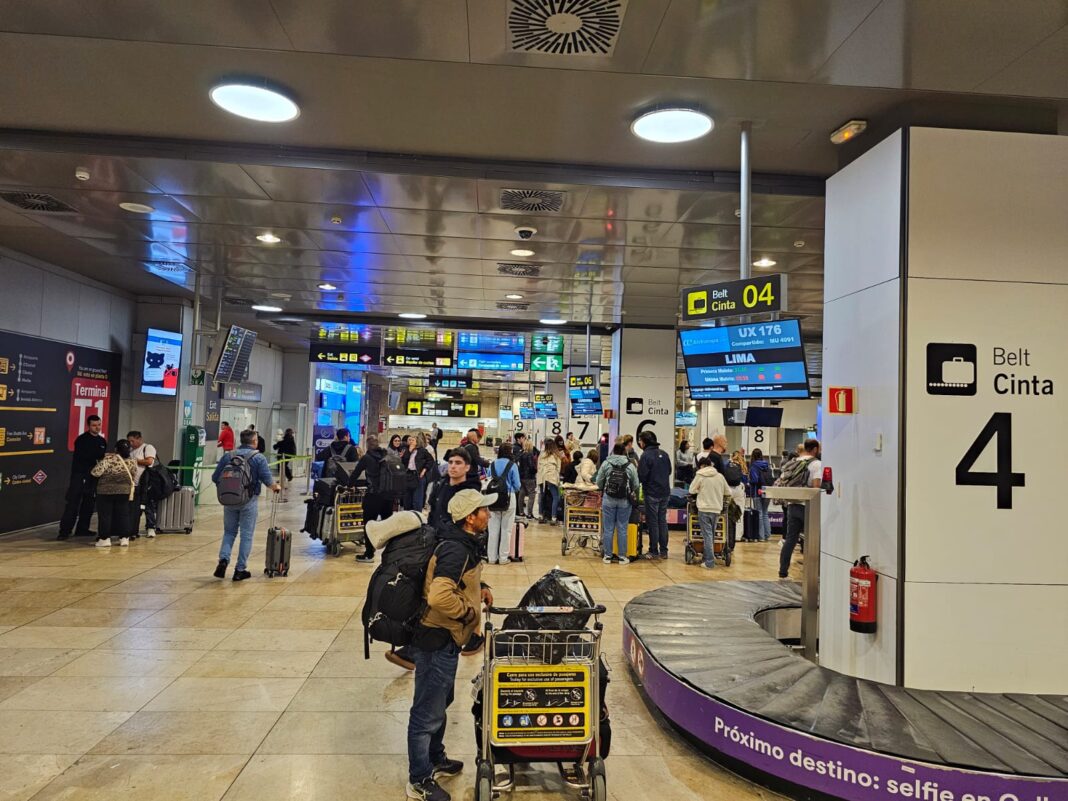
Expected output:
(643, 383)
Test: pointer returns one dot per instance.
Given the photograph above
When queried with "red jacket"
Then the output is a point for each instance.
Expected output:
(226, 439)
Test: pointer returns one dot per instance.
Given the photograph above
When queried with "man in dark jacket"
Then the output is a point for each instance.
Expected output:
(471, 446)
(376, 505)
(456, 478)
(89, 448)
(654, 473)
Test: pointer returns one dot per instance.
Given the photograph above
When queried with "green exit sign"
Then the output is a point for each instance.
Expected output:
(547, 343)
(549, 362)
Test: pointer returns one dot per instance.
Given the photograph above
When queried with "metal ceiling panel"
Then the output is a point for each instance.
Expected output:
(413, 29)
(104, 206)
(230, 23)
(431, 223)
(182, 177)
(133, 249)
(1042, 71)
(432, 245)
(271, 213)
(354, 242)
(43, 170)
(11, 217)
(637, 203)
(310, 185)
(771, 40)
(423, 192)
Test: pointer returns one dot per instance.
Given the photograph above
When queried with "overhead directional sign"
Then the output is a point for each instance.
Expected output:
(336, 353)
(549, 362)
(547, 343)
(766, 293)
(397, 357)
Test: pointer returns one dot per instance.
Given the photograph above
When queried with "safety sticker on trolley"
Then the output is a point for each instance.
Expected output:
(541, 704)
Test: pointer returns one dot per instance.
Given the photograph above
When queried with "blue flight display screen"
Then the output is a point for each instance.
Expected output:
(545, 410)
(526, 411)
(754, 360)
(585, 401)
(488, 342)
(490, 361)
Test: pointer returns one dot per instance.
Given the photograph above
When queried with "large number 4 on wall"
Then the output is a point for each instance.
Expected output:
(999, 425)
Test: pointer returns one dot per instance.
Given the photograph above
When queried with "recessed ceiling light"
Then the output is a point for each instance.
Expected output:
(327, 287)
(552, 321)
(848, 131)
(255, 101)
(672, 125)
(412, 316)
(269, 238)
(136, 208)
(261, 307)
(513, 296)
(522, 252)
(799, 243)
(765, 262)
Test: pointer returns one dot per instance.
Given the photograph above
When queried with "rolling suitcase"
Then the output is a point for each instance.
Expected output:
(176, 512)
(750, 525)
(515, 552)
(279, 546)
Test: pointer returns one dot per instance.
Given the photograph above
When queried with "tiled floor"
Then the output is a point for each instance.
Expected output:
(133, 674)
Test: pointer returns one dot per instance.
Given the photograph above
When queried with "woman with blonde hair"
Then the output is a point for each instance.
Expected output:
(549, 464)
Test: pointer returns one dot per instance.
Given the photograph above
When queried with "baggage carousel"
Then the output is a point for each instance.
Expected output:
(702, 658)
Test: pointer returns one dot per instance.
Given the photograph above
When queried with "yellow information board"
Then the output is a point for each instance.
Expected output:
(541, 704)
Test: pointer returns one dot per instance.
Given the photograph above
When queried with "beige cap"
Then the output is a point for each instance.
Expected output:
(467, 501)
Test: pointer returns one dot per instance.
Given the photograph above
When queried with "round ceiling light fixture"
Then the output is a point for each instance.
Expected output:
(522, 252)
(412, 316)
(269, 238)
(764, 261)
(327, 287)
(672, 124)
(799, 243)
(263, 307)
(136, 208)
(513, 296)
(552, 321)
(254, 99)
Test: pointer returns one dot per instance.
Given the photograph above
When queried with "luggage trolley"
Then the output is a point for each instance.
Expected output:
(344, 522)
(582, 521)
(541, 702)
(695, 543)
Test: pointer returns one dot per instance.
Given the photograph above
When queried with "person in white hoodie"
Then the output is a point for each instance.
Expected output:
(711, 490)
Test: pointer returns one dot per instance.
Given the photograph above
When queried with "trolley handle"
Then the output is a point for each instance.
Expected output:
(599, 609)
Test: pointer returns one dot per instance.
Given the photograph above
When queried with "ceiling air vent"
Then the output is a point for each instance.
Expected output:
(35, 201)
(532, 199)
(168, 266)
(565, 27)
(235, 301)
(519, 270)
(512, 306)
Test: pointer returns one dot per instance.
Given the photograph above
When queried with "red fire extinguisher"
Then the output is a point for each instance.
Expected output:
(862, 581)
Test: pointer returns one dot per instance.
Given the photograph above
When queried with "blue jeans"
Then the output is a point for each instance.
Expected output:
(235, 517)
(656, 522)
(762, 505)
(708, 521)
(554, 494)
(435, 680)
(615, 515)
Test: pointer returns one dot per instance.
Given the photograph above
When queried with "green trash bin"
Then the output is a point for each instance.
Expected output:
(192, 457)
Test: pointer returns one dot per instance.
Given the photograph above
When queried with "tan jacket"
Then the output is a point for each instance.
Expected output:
(453, 588)
(549, 469)
(114, 478)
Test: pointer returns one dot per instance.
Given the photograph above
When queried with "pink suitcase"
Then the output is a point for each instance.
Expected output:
(518, 536)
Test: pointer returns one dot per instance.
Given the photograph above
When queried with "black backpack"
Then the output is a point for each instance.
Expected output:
(158, 482)
(395, 602)
(617, 484)
(392, 475)
(767, 476)
(499, 487)
(569, 475)
(733, 474)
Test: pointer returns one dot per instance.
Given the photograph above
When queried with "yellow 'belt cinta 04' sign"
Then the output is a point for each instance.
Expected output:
(766, 293)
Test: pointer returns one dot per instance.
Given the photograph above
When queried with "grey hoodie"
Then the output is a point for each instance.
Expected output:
(617, 460)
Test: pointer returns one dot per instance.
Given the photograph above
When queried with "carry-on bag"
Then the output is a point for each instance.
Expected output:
(176, 512)
(751, 525)
(515, 552)
(279, 546)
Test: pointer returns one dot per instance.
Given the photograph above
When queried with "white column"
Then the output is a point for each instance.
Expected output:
(643, 383)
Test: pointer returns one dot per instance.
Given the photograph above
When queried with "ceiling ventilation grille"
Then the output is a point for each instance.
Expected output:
(168, 266)
(235, 301)
(518, 269)
(565, 27)
(532, 200)
(502, 306)
(36, 201)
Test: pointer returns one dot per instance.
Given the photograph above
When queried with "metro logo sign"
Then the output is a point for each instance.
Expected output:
(88, 396)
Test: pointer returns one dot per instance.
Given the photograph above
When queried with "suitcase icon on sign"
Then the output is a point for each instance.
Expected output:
(951, 369)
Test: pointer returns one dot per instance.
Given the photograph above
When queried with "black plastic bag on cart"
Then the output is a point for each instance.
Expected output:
(555, 588)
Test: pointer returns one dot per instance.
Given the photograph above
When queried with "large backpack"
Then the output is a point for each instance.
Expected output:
(158, 482)
(395, 592)
(392, 475)
(733, 474)
(767, 476)
(794, 474)
(236, 482)
(499, 487)
(617, 484)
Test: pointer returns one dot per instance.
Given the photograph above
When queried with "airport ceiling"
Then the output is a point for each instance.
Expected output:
(418, 115)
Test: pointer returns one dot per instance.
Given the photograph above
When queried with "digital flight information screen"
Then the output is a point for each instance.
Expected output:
(754, 360)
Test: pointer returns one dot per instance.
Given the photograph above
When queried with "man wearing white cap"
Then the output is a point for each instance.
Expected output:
(454, 593)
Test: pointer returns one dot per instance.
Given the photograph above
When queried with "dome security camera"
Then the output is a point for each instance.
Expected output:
(525, 231)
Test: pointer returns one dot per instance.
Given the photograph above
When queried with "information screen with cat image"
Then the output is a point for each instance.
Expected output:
(163, 357)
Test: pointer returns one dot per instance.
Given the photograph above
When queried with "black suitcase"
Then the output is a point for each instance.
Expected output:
(323, 491)
(279, 547)
(751, 525)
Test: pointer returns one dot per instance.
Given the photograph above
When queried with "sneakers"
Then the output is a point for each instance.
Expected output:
(365, 559)
(624, 560)
(241, 575)
(607, 559)
(707, 566)
(150, 533)
(398, 658)
(652, 556)
(427, 790)
(505, 561)
(447, 767)
(474, 645)
(220, 569)
(124, 542)
(104, 543)
(664, 555)
(62, 537)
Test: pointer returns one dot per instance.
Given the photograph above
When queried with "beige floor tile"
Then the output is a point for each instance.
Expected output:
(118, 600)
(115, 618)
(87, 694)
(226, 695)
(20, 599)
(348, 663)
(66, 585)
(12, 618)
(299, 777)
(22, 775)
(13, 685)
(135, 778)
(194, 618)
(255, 664)
(35, 661)
(361, 695)
(277, 640)
(58, 636)
(360, 733)
(153, 586)
(155, 664)
(55, 732)
(189, 733)
(18, 573)
(355, 585)
(298, 619)
(165, 639)
(316, 603)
